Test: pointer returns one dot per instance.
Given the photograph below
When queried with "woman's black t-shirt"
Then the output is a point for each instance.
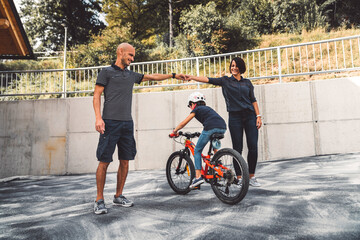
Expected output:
(239, 95)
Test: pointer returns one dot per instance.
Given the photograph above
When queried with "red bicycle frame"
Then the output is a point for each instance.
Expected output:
(190, 145)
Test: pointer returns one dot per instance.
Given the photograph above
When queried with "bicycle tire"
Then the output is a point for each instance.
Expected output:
(180, 179)
(228, 189)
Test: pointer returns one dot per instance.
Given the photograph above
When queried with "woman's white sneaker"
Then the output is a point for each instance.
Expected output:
(253, 182)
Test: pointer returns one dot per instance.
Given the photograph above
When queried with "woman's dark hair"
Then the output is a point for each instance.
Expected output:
(239, 63)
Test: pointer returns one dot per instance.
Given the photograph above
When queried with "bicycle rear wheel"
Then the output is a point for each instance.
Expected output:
(230, 189)
(180, 171)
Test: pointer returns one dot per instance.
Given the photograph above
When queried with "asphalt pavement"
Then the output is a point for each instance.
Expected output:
(306, 198)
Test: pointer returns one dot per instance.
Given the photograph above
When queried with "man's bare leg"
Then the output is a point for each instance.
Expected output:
(100, 179)
(121, 176)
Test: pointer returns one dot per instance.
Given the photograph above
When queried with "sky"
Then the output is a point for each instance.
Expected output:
(17, 4)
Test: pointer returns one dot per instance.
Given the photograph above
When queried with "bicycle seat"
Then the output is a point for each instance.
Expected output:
(217, 136)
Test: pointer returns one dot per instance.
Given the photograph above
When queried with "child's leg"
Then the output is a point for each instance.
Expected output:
(198, 173)
(202, 141)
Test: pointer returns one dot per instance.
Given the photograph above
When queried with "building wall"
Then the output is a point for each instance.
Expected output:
(57, 136)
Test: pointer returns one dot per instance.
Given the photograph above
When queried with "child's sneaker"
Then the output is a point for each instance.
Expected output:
(238, 182)
(253, 182)
(196, 182)
(123, 201)
(99, 207)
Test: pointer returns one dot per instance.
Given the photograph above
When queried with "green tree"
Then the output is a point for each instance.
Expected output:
(257, 14)
(204, 27)
(296, 15)
(241, 36)
(226, 7)
(133, 13)
(101, 50)
(44, 20)
(341, 12)
(146, 18)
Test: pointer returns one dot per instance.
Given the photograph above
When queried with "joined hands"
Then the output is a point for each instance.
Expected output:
(184, 77)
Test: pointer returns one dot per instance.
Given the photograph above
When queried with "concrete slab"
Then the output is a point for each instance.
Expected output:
(287, 103)
(78, 108)
(335, 106)
(48, 156)
(336, 133)
(289, 141)
(149, 151)
(50, 118)
(307, 198)
(151, 108)
(83, 160)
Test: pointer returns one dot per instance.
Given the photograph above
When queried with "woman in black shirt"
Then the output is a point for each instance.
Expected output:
(243, 111)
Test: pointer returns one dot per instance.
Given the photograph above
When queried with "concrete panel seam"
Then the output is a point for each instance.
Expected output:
(315, 116)
(215, 96)
(287, 123)
(173, 117)
(136, 125)
(266, 153)
(339, 120)
(32, 145)
(155, 129)
(67, 153)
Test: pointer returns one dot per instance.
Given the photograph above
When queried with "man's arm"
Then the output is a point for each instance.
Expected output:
(99, 122)
(161, 77)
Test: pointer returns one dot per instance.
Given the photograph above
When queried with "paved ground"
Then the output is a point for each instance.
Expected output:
(308, 198)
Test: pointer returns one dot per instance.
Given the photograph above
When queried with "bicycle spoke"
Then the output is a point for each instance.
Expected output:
(227, 185)
(180, 173)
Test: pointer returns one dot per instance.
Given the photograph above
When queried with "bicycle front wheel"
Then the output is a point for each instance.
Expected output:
(180, 171)
(234, 185)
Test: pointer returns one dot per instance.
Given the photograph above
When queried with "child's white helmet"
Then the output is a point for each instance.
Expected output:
(196, 97)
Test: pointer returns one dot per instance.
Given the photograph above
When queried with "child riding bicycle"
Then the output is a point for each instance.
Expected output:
(212, 123)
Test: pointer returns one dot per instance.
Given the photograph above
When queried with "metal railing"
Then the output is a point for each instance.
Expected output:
(328, 56)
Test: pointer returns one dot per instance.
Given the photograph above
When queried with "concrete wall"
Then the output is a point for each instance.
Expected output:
(57, 136)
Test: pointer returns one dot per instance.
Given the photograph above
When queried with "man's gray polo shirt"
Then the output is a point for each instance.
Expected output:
(118, 86)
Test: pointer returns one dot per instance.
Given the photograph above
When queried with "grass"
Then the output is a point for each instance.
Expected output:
(319, 34)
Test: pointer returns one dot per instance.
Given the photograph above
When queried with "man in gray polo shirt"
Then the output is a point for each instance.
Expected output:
(116, 125)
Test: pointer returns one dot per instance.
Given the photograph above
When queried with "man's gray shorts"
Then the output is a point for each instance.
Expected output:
(120, 133)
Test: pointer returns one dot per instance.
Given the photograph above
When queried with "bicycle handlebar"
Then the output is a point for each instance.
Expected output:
(171, 135)
(187, 135)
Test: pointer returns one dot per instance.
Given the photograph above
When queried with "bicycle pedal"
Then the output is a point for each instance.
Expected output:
(197, 188)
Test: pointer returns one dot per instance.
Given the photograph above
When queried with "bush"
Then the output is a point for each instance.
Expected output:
(204, 27)
(101, 50)
(293, 16)
(13, 65)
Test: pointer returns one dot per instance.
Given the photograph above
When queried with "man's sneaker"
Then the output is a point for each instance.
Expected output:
(123, 201)
(99, 207)
(196, 182)
(253, 182)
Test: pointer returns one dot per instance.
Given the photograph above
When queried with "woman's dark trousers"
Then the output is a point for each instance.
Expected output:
(238, 123)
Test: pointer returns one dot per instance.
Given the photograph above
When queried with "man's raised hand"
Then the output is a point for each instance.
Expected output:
(180, 76)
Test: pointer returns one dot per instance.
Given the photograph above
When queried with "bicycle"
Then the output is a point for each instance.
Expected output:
(226, 170)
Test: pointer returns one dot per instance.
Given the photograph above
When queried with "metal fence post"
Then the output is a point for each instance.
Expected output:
(197, 71)
(64, 73)
(279, 62)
